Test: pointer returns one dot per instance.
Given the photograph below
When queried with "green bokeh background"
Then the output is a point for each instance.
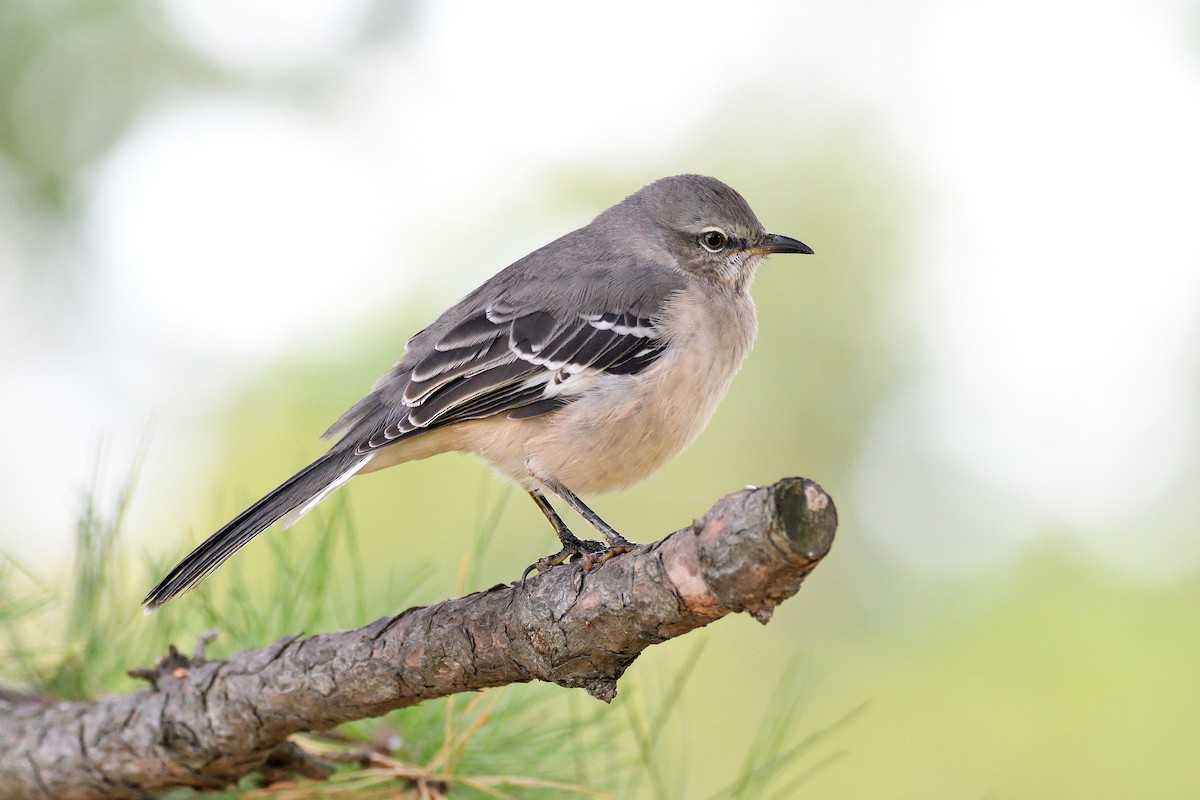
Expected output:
(1047, 675)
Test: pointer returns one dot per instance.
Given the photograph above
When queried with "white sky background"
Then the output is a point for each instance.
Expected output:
(1059, 287)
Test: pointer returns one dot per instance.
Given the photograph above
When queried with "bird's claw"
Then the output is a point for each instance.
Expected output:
(580, 549)
(591, 560)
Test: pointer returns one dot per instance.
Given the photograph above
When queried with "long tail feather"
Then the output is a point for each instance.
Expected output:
(298, 493)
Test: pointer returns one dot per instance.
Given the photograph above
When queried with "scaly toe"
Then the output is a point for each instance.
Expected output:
(592, 560)
(580, 550)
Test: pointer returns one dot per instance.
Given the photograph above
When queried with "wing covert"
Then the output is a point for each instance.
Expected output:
(498, 360)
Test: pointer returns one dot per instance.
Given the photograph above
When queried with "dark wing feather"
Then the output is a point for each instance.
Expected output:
(501, 361)
(459, 398)
(442, 367)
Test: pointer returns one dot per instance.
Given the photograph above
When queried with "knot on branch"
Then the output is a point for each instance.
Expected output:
(175, 663)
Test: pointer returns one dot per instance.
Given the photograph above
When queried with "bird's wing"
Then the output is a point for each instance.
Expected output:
(508, 359)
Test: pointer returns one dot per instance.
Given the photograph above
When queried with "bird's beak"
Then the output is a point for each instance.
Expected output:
(776, 243)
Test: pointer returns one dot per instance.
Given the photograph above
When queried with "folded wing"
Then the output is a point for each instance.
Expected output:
(504, 360)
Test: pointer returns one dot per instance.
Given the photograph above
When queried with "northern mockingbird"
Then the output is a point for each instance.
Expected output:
(583, 367)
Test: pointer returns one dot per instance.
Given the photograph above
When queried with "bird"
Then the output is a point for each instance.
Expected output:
(579, 369)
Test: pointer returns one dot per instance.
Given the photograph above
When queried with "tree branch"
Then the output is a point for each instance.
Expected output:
(208, 723)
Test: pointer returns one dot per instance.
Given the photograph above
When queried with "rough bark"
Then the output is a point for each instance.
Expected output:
(208, 723)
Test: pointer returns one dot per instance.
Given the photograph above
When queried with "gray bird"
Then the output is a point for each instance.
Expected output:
(583, 367)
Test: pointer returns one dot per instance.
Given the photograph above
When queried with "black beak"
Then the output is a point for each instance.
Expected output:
(776, 243)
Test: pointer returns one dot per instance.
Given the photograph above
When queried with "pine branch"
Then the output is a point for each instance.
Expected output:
(206, 724)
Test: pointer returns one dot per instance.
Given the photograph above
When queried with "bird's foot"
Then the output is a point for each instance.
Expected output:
(572, 550)
(617, 545)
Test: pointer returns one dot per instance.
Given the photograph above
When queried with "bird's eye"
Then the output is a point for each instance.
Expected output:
(714, 240)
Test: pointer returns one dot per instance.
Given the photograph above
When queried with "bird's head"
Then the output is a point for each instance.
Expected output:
(708, 229)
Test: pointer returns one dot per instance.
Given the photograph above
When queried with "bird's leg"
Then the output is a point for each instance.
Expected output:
(617, 544)
(572, 545)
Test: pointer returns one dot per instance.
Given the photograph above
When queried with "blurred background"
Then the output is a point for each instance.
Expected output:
(219, 222)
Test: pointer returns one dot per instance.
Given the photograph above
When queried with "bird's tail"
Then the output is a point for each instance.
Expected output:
(294, 497)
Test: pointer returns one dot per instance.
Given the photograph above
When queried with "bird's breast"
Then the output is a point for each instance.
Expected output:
(627, 426)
